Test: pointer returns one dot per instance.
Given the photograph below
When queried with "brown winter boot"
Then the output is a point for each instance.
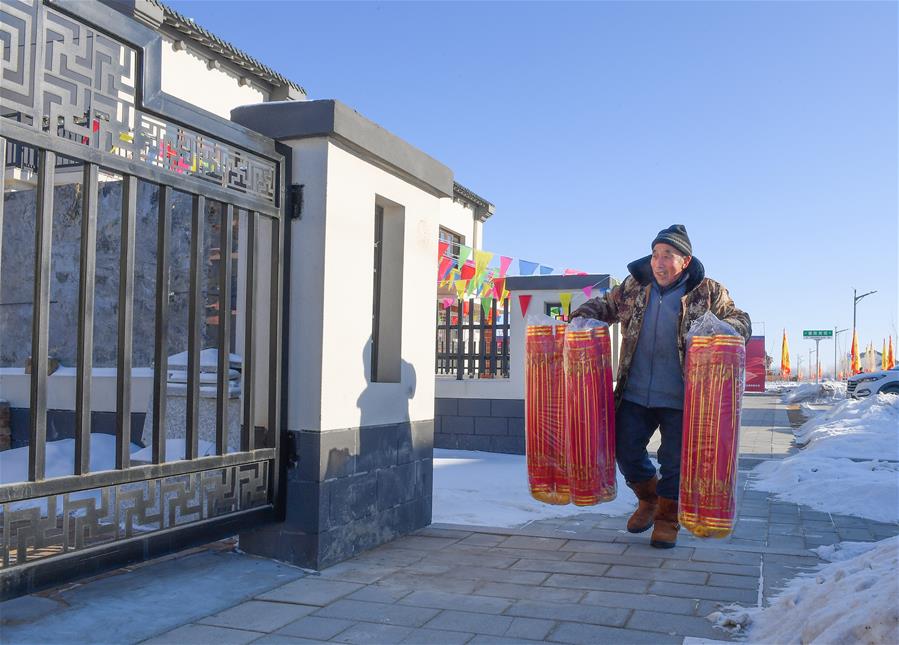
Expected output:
(664, 535)
(642, 518)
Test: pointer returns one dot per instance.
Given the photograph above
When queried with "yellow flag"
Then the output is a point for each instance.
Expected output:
(481, 260)
(460, 288)
(784, 357)
(565, 299)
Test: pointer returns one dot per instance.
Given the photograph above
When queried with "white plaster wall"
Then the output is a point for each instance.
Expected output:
(15, 387)
(348, 398)
(459, 218)
(185, 74)
(307, 248)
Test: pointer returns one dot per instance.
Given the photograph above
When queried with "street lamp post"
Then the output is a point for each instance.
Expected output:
(836, 333)
(855, 299)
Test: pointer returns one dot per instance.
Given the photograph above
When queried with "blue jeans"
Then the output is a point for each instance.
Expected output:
(634, 426)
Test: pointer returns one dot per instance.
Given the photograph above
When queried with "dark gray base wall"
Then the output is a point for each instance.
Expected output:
(490, 425)
(348, 491)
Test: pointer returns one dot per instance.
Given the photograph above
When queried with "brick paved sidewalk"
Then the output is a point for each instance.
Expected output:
(574, 580)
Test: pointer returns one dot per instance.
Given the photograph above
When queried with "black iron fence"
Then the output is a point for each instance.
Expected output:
(55, 526)
(473, 340)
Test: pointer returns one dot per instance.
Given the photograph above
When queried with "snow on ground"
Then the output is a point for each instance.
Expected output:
(60, 458)
(860, 429)
(491, 489)
(855, 600)
(849, 462)
(821, 392)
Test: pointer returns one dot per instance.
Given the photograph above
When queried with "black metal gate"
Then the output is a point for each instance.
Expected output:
(80, 92)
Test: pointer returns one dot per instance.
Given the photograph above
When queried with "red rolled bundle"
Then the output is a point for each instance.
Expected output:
(712, 402)
(544, 409)
(590, 415)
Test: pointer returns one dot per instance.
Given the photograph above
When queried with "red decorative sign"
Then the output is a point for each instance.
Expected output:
(755, 364)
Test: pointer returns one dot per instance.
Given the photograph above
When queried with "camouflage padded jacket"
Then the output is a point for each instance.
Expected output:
(626, 304)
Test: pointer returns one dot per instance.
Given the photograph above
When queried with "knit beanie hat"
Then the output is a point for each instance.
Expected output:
(676, 236)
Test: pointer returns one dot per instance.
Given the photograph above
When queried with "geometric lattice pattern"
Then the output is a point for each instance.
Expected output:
(82, 85)
(48, 526)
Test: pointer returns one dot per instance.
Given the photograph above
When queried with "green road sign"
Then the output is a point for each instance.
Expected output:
(817, 333)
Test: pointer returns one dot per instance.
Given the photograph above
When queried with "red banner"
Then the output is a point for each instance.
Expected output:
(755, 364)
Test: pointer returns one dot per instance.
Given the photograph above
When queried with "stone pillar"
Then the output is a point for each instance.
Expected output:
(359, 387)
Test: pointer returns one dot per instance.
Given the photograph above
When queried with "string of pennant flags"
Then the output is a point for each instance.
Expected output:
(471, 276)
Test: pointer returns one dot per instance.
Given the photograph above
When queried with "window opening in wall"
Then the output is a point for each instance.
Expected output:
(455, 241)
(376, 299)
(387, 309)
(555, 310)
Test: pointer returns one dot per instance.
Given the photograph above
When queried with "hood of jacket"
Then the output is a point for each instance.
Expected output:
(642, 271)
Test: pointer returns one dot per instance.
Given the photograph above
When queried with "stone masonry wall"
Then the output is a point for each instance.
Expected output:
(348, 491)
(490, 425)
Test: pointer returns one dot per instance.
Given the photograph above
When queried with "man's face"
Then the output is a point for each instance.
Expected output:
(668, 263)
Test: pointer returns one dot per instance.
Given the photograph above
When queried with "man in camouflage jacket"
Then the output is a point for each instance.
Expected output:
(656, 304)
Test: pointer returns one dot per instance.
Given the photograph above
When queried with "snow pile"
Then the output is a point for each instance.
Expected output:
(849, 463)
(60, 458)
(824, 391)
(868, 489)
(843, 550)
(850, 601)
(491, 489)
(863, 429)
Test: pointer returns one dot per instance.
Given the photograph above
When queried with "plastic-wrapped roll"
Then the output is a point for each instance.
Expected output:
(589, 413)
(713, 393)
(544, 411)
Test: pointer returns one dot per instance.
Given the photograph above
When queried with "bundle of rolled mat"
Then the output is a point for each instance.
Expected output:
(569, 412)
(713, 390)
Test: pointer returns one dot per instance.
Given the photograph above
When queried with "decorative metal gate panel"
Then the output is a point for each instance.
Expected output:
(80, 89)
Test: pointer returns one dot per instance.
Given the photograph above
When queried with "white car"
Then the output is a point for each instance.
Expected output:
(868, 383)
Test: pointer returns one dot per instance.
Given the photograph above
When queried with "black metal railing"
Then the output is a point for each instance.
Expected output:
(472, 342)
(26, 157)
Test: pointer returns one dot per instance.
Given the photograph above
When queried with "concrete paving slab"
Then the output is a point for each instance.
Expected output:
(597, 583)
(311, 591)
(464, 602)
(315, 627)
(665, 604)
(467, 621)
(611, 616)
(674, 624)
(437, 637)
(284, 639)
(581, 634)
(700, 592)
(258, 616)
(374, 612)
(529, 628)
(368, 633)
(526, 592)
(203, 635)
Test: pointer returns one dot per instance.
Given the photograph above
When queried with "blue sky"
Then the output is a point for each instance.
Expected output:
(768, 129)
